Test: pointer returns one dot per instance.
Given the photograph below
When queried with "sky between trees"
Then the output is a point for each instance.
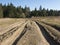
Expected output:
(10, 11)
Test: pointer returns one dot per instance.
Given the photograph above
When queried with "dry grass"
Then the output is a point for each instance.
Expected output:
(6, 22)
(51, 20)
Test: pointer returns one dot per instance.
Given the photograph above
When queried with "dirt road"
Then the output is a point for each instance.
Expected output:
(26, 33)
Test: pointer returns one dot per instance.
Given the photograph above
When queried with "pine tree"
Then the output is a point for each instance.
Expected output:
(27, 11)
(1, 11)
(11, 11)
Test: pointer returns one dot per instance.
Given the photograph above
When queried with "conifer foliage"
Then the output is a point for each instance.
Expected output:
(10, 11)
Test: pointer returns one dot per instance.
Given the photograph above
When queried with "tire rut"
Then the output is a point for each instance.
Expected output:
(8, 34)
(22, 33)
(26, 28)
(32, 30)
(47, 35)
(54, 26)
(31, 36)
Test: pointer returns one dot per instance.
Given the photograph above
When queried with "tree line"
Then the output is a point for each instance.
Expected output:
(10, 11)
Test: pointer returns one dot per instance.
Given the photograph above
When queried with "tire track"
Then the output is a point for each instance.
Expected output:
(22, 33)
(46, 34)
(11, 27)
(8, 33)
(54, 26)
(10, 40)
(33, 33)
(31, 36)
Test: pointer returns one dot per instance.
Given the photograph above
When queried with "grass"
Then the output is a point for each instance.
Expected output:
(53, 20)
(5, 22)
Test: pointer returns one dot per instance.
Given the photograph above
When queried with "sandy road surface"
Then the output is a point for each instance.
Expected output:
(27, 32)
(10, 35)
(31, 36)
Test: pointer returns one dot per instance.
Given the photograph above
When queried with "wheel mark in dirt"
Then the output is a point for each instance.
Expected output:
(47, 35)
(53, 32)
(9, 33)
(54, 26)
(22, 33)
(26, 28)
(7, 42)
(6, 35)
